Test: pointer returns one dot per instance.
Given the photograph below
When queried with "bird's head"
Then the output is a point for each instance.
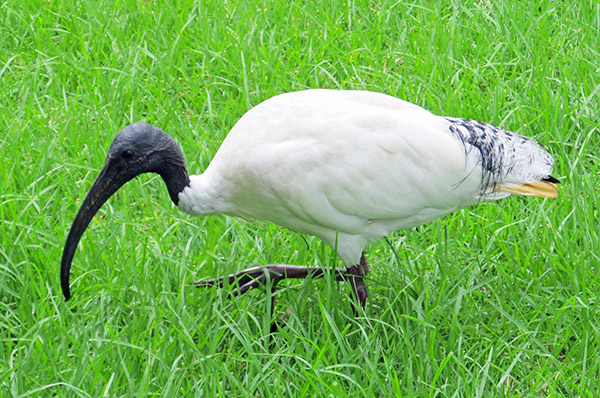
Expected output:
(138, 148)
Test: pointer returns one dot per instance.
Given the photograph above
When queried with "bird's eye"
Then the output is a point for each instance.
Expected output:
(127, 154)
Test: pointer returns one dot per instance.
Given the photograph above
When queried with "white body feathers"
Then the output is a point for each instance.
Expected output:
(352, 166)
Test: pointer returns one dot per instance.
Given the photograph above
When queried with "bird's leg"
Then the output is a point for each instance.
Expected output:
(355, 275)
(258, 276)
(274, 323)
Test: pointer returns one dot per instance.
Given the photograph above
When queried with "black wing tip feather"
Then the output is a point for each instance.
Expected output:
(551, 179)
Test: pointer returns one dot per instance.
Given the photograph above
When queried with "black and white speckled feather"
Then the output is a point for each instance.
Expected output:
(505, 157)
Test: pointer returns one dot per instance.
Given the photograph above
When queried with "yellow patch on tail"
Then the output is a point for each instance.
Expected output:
(543, 189)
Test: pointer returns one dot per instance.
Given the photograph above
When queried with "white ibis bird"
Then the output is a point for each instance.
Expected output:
(346, 166)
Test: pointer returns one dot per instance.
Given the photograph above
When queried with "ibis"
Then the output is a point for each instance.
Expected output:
(348, 167)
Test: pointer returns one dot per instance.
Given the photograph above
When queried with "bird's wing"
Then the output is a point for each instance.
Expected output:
(345, 160)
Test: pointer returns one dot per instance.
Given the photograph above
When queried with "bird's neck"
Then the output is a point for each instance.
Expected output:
(176, 178)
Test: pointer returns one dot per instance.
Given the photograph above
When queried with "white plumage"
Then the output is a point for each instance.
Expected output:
(352, 166)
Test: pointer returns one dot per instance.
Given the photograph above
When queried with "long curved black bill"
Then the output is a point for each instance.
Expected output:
(107, 183)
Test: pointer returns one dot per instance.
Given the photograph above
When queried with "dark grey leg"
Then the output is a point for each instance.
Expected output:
(355, 275)
(258, 276)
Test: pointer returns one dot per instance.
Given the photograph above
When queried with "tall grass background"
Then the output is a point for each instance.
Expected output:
(496, 300)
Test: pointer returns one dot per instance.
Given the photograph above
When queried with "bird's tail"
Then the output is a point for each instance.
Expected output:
(511, 164)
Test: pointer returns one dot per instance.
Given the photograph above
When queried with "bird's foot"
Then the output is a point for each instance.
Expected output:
(259, 276)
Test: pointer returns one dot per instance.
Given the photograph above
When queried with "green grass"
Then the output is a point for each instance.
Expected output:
(497, 300)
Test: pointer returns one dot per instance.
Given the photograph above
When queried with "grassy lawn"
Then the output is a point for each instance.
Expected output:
(492, 301)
